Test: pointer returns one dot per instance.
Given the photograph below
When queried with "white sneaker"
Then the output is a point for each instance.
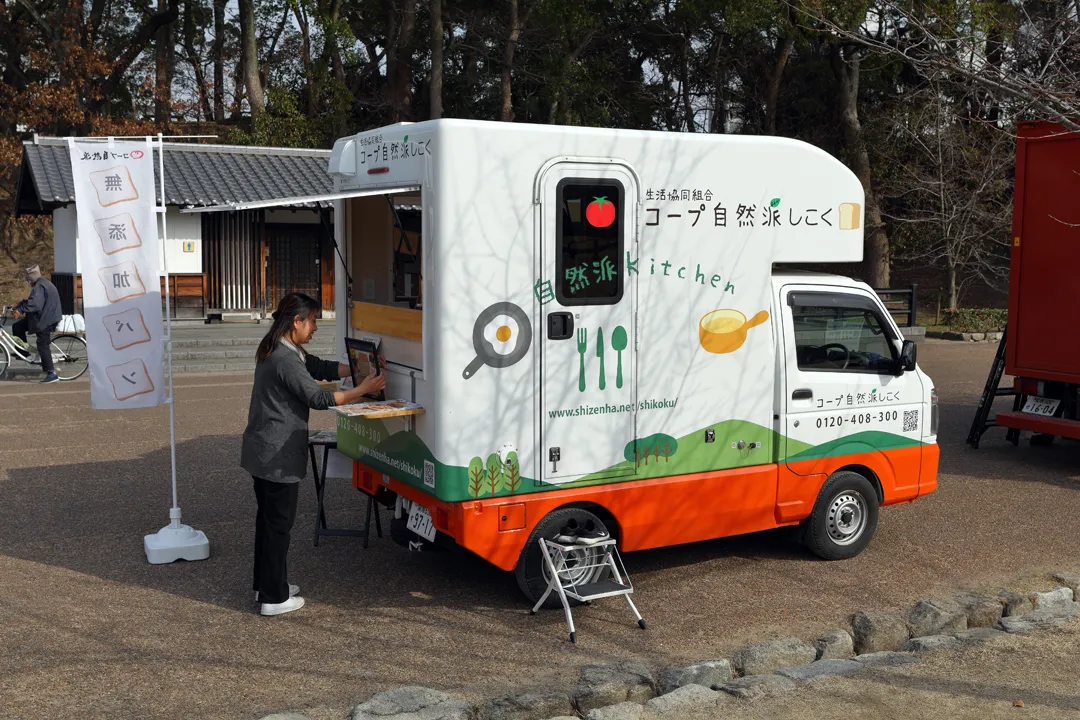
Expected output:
(294, 590)
(293, 603)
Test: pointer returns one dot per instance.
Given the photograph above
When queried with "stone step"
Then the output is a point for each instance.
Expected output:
(222, 361)
(233, 353)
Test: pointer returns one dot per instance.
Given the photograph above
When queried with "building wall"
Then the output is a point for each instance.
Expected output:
(180, 229)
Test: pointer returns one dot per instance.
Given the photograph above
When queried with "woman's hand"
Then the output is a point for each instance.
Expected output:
(372, 384)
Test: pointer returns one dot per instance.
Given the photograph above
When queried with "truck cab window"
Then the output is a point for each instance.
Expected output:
(590, 242)
(836, 338)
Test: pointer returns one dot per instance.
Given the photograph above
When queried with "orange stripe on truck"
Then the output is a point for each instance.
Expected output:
(674, 510)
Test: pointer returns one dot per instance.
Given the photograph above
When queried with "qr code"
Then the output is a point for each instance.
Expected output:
(911, 420)
(429, 473)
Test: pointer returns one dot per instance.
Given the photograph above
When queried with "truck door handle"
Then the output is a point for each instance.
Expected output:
(803, 394)
(560, 326)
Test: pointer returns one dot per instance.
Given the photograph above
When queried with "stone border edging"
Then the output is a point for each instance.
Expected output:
(990, 337)
(630, 691)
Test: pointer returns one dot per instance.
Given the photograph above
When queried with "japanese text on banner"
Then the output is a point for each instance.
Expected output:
(119, 256)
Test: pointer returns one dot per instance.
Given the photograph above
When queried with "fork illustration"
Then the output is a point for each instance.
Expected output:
(582, 346)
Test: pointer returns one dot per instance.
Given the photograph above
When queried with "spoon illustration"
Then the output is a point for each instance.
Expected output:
(618, 344)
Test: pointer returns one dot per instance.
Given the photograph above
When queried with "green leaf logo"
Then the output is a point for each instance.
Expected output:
(406, 139)
(775, 202)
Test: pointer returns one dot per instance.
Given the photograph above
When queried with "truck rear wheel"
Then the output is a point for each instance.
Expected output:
(844, 518)
(532, 573)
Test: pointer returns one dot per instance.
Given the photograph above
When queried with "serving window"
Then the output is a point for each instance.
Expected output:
(386, 246)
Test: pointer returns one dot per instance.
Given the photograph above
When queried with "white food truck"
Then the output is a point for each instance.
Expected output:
(595, 326)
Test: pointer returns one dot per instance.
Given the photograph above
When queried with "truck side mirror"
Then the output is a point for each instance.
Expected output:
(907, 358)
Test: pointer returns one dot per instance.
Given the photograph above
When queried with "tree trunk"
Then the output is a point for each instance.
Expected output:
(876, 243)
(219, 60)
(684, 84)
(399, 59)
(506, 112)
(333, 40)
(436, 89)
(305, 57)
(718, 123)
(783, 53)
(249, 58)
(469, 62)
(194, 60)
(953, 290)
(164, 63)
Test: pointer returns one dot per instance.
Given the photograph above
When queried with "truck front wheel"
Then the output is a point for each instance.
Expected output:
(844, 518)
(532, 572)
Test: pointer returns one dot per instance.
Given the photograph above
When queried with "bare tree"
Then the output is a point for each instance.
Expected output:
(1037, 78)
(951, 194)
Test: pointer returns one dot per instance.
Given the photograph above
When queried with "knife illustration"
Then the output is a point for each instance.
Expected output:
(600, 354)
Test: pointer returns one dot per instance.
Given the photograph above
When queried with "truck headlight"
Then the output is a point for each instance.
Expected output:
(934, 411)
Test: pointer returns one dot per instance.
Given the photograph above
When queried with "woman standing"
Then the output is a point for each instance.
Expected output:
(275, 442)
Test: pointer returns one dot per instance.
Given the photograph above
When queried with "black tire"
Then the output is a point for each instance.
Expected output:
(1041, 440)
(531, 574)
(72, 351)
(844, 518)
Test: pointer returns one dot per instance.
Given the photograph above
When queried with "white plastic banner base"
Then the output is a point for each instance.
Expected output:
(170, 544)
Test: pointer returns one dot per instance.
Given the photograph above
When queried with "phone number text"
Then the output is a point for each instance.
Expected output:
(865, 418)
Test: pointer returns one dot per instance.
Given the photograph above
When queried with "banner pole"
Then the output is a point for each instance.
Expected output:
(174, 513)
(175, 541)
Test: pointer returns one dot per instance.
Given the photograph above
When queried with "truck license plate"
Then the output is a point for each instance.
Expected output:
(420, 522)
(1041, 406)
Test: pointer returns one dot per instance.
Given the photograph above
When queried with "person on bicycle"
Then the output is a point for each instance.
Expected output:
(42, 314)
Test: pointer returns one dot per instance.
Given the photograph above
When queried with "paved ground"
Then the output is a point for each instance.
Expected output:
(87, 626)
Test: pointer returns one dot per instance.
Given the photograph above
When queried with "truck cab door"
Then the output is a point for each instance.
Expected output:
(588, 333)
(842, 396)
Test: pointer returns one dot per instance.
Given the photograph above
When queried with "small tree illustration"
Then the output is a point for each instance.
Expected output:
(667, 451)
(476, 477)
(513, 472)
(656, 452)
(494, 473)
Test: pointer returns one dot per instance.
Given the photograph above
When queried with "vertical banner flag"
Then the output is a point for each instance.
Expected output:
(120, 261)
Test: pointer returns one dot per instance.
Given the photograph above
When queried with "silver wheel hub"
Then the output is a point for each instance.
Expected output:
(847, 517)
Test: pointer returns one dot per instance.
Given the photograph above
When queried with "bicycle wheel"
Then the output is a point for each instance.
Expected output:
(69, 356)
(5, 360)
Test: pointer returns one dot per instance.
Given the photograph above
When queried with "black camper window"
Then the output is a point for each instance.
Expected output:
(589, 239)
(838, 336)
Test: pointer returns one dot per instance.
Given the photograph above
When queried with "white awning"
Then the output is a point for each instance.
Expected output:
(286, 201)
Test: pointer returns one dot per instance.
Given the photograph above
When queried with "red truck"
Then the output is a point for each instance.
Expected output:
(1041, 348)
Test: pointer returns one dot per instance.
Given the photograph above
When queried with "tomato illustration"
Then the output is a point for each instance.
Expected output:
(600, 213)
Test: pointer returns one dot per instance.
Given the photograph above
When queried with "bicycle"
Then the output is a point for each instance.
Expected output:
(68, 351)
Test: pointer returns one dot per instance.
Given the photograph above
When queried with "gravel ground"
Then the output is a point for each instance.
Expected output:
(87, 626)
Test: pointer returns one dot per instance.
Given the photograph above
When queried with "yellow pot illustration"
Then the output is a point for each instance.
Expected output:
(723, 331)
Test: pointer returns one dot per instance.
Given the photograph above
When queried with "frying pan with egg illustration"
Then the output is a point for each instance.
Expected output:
(485, 353)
